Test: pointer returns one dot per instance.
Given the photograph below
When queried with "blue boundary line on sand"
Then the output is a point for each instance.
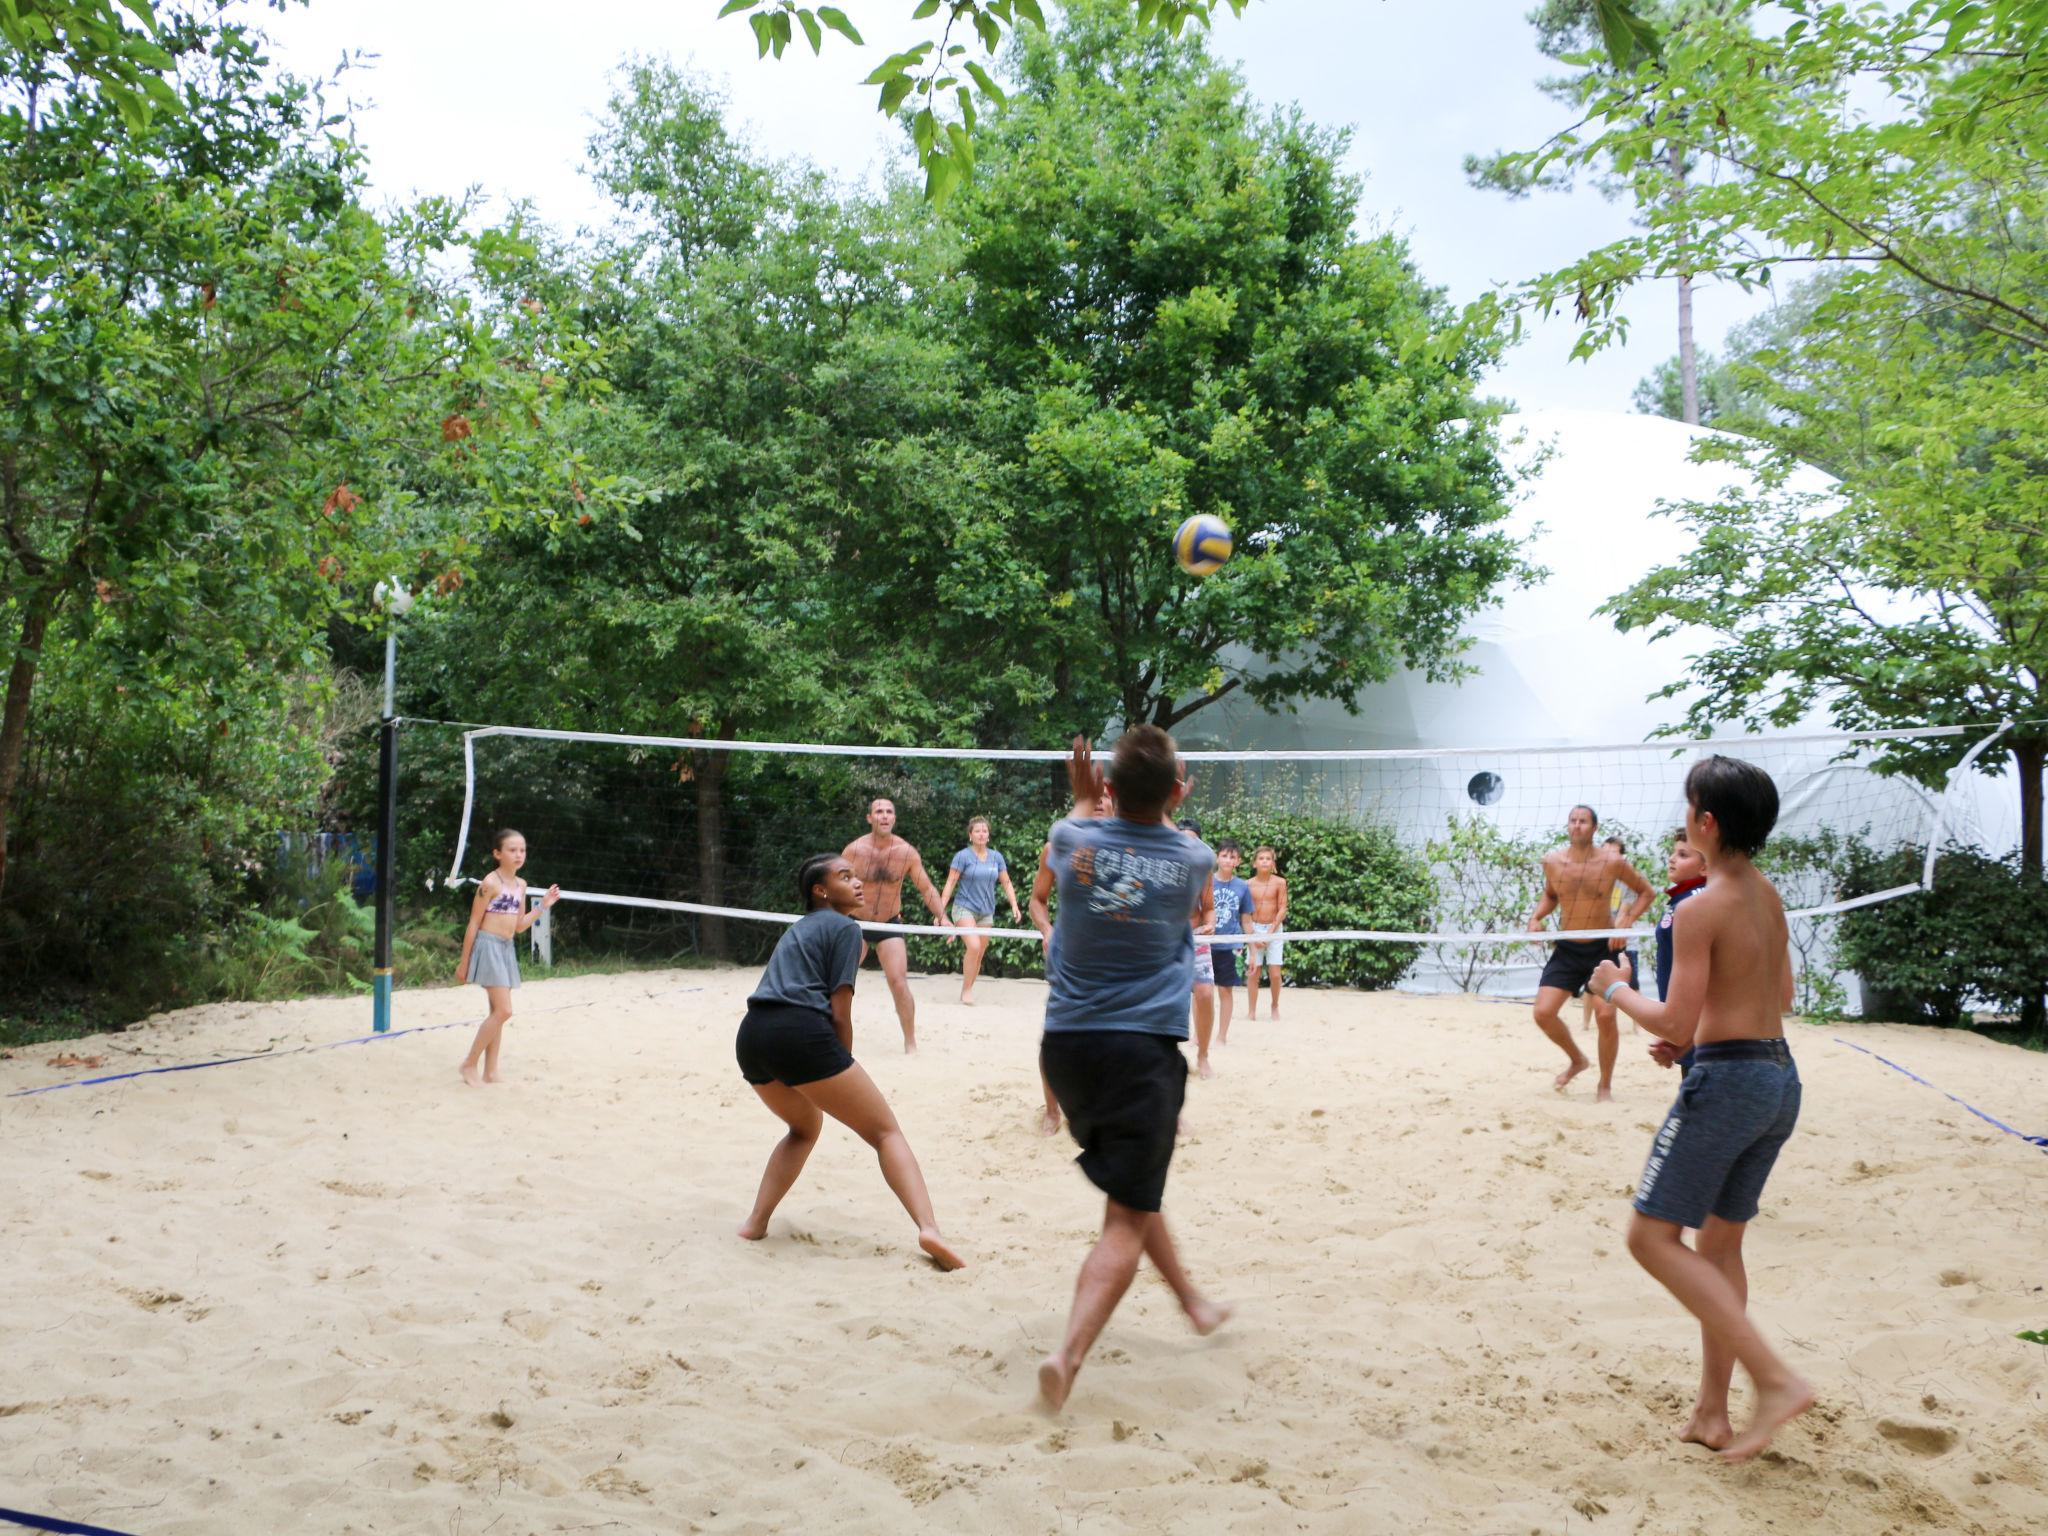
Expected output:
(295, 1050)
(2037, 1141)
(55, 1523)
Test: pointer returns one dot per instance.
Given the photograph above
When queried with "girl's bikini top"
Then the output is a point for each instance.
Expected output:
(507, 900)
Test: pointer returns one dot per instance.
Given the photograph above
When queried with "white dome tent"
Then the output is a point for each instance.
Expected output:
(1552, 680)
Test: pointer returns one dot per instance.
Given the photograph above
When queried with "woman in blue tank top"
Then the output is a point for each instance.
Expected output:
(977, 870)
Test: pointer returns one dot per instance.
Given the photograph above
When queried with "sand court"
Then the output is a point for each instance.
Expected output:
(339, 1291)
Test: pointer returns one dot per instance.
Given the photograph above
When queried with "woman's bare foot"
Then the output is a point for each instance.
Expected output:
(494, 1077)
(1208, 1316)
(1202, 1067)
(471, 1075)
(967, 999)
(1048, 1122)
(1571, 1072)
(1774, 1410)
(1709, 1429)
(1055, 1381)
(753, 1231)
(941, 1252)
(1604, 1096)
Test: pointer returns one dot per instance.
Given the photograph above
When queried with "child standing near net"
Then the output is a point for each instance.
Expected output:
(1232, 898)
(496, 916)
(1120, 967)
(795, 1049)
(977, 870)
(1269, 917)
(1731, 982)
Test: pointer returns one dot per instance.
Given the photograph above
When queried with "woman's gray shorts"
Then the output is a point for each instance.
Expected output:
(1718, 1142)
(493, 962)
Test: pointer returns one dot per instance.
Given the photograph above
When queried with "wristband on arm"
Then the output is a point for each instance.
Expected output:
(1608, 995)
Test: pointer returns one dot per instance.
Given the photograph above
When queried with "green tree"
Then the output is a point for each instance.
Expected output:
(1168, 313)
(942, 85)
(230, 398)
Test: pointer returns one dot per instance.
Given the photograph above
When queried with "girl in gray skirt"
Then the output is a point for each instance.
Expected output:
(488, 959)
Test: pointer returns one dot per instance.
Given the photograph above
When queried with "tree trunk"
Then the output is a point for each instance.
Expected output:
(710, 781)
(14, 717)
(2028, 758)
(1688, 356)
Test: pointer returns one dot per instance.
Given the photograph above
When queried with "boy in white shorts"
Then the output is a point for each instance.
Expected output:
(1268, 917)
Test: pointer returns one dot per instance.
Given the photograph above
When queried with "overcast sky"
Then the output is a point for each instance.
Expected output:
(501, 95)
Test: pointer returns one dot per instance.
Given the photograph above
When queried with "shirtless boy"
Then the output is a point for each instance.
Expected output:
(881, 860)
(1731, 982)
(1577, 880)
(1268, 916)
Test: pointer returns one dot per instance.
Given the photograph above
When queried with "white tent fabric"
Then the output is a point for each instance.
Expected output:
(1551, 673)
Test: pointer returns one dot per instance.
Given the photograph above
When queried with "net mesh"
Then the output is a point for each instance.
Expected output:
(1415, 868)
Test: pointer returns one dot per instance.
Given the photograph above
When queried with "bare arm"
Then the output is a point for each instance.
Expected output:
(1010, 891)
(1041, 897)
(532, 915)
(842, 1016)
(927, 890)
(1678, 1016)
(946, 896)
(1633, 879)
(1280, 917)
(1546, 905)
(1205, 909)
(476, 921)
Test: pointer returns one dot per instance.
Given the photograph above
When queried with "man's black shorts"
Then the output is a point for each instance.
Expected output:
(1226, 964)
(1121, 1092)
(1572, 962)
(784, 1043)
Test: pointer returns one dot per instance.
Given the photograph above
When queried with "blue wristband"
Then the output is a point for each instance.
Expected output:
(1608, 995)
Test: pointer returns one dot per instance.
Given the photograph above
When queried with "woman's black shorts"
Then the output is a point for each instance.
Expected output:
(1122, 1093)
(783, 1043)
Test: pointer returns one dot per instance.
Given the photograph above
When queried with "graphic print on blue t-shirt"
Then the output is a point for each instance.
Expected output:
(1232, 897)
(1124, 955)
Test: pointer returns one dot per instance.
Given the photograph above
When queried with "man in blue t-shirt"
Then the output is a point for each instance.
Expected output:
(1119, 970)
(1233, 900)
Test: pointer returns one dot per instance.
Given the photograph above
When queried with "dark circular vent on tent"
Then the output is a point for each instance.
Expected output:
(1486, 787)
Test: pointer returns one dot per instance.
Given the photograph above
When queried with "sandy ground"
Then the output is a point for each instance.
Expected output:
(336, 1291)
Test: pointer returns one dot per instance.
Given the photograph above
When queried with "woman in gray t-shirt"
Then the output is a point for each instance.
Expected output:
(977, 870)
(795, 1049)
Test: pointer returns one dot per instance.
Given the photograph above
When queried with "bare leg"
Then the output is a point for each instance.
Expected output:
(1548, 1001)
(1206, 1315)
(970, 965)
(1720, 1243)
(1049, 1121)
(483, 1050)
(1225, 997)
(1105, 1276)
(854, 1101)
(1585, 1011)
(896, 971)
(1205, 1023)
(1273, 978)
(1610, 1047)
(1251, 983)
(1703, 1289)
(789, 1156)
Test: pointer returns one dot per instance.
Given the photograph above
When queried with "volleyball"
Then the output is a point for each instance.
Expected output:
(1202, 544)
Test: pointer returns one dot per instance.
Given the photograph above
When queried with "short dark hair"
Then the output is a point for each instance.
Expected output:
(1144, 770)
(1739, 796)
(1619, 845)
(1188, 824)
(1230, 843)
(1589, 811)
(875, 800)
(1680, 836)
(810, 873)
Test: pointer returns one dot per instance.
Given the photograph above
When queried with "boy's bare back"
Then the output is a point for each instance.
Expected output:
(1733, 936)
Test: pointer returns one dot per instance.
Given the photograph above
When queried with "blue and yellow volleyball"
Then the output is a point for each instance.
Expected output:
(1202, 544)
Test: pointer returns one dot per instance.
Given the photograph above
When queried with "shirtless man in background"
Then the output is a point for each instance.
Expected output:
(882, 860)
(1577, 881)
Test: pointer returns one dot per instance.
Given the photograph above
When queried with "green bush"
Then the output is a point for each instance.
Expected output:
(1981, 933)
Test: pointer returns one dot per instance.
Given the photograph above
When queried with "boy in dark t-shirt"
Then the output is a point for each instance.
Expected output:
(1688, 873)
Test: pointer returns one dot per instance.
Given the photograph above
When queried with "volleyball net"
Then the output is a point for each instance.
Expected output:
(1417, 867)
